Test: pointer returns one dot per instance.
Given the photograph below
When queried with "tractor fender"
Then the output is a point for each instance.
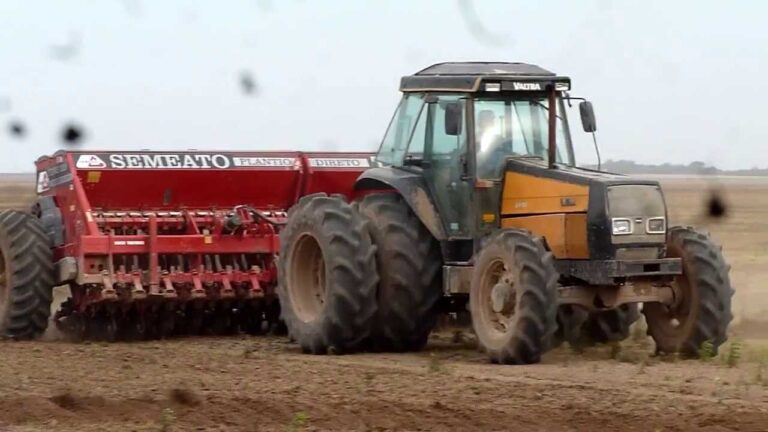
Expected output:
(412, 187)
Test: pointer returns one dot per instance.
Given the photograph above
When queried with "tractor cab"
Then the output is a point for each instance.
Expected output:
(459, 123)
(490, 145)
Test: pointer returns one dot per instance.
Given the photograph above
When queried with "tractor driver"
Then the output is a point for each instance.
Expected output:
(490, 149)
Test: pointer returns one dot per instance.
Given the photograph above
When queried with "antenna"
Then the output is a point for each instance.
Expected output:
(597, 150)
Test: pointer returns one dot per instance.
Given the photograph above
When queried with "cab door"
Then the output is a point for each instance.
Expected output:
(441, 148)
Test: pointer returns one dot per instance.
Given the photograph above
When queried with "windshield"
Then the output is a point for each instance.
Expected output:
(516, 127)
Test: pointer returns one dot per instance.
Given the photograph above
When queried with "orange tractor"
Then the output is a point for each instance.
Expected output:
(479, 204)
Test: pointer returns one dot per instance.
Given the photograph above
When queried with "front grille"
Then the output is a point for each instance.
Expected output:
(636, 203)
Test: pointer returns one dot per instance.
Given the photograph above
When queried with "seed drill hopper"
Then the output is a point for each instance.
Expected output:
(155, 244)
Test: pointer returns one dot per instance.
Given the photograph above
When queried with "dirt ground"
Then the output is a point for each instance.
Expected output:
(252, 384)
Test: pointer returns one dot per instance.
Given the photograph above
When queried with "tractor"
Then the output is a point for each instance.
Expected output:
(477, 203)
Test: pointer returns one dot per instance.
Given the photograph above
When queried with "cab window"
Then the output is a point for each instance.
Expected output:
(400, 130)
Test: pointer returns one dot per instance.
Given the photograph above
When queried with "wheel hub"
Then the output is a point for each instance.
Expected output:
(502, 296)
(306, 278)
(499, 299)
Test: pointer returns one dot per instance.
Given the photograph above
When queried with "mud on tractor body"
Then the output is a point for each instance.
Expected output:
(479, 204)
(157, 244)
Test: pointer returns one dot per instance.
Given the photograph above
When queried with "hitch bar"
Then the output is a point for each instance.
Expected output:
(607, 297)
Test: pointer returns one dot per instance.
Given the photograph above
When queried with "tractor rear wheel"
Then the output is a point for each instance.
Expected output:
(409, 262)
(610, 325)
(702, 309)
(581, 328)
(570, 321)
(513, 298)
(26, 276)
(327, 276)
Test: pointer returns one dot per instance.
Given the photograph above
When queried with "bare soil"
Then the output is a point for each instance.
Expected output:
(264, 383)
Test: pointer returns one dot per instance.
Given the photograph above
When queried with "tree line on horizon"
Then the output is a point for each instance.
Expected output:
(693, 168)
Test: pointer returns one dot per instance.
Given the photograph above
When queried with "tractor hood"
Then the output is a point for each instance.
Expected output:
(535, 165)
(603, 215)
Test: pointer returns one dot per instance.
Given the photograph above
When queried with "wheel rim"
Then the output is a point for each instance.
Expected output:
(306, 278)
(498, 299)
(674, 319)
(673, 322)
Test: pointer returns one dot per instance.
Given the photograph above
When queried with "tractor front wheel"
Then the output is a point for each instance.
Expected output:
(513, 298)
(702, 308)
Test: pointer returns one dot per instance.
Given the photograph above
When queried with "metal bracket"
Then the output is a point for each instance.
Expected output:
(138, 291)
(169, 291)
(457, 279)
(596, 297)
(66, 270)
(197, 286)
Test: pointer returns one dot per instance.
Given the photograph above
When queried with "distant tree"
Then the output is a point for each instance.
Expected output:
(693, 168)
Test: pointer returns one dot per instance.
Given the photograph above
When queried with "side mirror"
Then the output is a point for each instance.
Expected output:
(588, 121)
(453, 119)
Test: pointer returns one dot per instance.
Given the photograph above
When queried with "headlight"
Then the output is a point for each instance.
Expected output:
(657, 225)
(622, 226)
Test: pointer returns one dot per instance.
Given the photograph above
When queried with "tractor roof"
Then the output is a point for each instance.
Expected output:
(467, 76)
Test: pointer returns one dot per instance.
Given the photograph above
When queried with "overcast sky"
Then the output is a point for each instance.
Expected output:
(670, 81)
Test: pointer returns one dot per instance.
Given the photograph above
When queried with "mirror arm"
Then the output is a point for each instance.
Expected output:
(597, 150)
(568, 98)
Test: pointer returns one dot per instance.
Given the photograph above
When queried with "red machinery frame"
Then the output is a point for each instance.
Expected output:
(150, 206)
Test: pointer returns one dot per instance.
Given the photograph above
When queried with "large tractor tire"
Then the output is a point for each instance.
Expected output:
(26, 276)
(581, 328)
(409, 262)
(513, 298)
(611, 325)
(702, 309)
(570, 321)
(327, 276)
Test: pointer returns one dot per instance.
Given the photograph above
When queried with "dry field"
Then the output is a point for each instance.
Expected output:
(252, 384)
(743, 234)
(17, 191)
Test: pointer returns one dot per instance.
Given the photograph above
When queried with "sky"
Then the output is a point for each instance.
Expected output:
(670, 81)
